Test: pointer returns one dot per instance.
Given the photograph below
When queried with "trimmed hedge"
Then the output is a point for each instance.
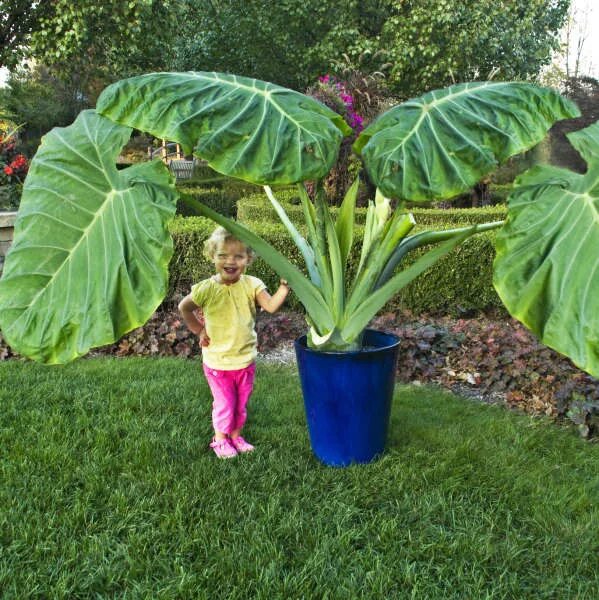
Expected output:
(221, 200)
(204, 176)
(188, 265)
(501, 191)
(257, 208)
(460, 282)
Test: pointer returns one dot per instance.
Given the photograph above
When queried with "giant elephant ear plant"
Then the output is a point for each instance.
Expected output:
(89, 259)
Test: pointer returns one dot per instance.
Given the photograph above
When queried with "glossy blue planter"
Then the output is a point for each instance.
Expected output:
(347, 397)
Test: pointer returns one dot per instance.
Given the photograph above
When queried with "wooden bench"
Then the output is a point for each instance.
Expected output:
(181, 168)
(172, 156)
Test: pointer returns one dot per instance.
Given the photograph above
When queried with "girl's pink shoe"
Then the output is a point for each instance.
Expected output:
(223, 448)
(241, 445)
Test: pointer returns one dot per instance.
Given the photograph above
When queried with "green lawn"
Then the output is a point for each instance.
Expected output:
(108, 490)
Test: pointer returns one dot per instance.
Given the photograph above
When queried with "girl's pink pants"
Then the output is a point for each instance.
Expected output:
(231, 391)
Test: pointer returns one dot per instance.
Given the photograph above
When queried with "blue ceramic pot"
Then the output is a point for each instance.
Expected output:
(347, 396)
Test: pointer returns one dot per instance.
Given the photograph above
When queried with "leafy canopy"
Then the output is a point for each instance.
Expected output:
(18, 19)
(432, 43)
(117, 37)
(426, 44)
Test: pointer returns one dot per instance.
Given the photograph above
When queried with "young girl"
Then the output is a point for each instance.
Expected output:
(228, 302)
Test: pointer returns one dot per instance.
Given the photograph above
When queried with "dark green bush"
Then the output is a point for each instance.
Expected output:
(277, 236)
(222, 200)
(500, 192)
(460, 282)
(37, 99)
(257, 208)
(188, 264)
(205, 176)
(10, 196)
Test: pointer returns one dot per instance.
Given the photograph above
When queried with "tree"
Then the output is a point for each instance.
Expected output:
(18, 18)
(576, 37)
(584, 91)
(38, 101)
(88, 44)
(124, 36)
(114, 37)
(432, 43)
(274, 41)
(428, 43)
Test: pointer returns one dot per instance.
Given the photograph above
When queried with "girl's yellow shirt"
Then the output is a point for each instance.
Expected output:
(230, 315)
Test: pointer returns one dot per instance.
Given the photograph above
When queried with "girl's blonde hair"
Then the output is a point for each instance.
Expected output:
(219, 236)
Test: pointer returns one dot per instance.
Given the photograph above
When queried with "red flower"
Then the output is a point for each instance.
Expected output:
(8, 170)
(20, 162)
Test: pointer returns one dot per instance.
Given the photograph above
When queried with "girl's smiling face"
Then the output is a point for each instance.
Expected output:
(230, 260)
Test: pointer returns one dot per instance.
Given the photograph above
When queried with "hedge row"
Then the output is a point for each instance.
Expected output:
(223, 201)
(188, 264)
(256, 207)
(459, 282)
(205, 176)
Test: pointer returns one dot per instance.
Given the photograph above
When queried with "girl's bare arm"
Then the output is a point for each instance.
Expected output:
(272, 303)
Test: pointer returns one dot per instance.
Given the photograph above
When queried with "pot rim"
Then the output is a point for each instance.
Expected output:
(300, 342)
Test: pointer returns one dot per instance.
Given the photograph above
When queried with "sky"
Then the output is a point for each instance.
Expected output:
(586, 23)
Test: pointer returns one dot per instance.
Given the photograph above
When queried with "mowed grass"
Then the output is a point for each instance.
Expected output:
(108, 490)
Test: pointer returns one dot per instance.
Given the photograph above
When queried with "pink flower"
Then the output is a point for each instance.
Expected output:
(8, 170)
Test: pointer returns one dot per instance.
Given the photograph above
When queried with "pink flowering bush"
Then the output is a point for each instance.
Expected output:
(334, 93)
(357, 99)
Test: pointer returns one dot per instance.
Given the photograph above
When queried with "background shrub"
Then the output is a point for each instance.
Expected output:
(257, 208)
(38, 100)
(188, 264)
(459, 283)
(10, 197)
(222, 200)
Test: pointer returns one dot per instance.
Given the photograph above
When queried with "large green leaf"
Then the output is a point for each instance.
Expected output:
(441, 144)
(243, 127)
(547, 263)
(91, 248)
